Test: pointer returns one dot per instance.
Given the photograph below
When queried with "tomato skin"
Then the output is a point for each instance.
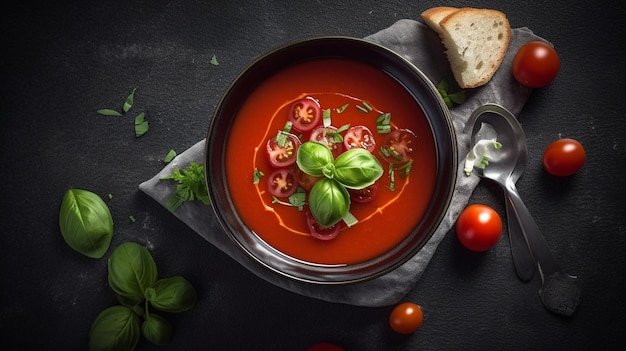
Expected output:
(564, 157)
(536, 64)
(359, 136)
(324, 346)
(479, 227)
(406, 318)
(282, 182)
(282, 156)
(305, 114)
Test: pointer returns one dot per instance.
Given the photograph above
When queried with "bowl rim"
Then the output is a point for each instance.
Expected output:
(251, 244)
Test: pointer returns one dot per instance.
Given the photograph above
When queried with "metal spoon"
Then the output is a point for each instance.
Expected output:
(523, 260)
(560, 292)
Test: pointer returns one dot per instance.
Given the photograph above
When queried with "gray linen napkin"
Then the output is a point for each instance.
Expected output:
(420, 45)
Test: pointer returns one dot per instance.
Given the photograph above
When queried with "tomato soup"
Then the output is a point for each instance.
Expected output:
(353, 93)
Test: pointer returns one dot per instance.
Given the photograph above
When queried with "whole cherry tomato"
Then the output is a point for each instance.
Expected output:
(406, 318)
(479, 227)
(564, 157)
(536, 64)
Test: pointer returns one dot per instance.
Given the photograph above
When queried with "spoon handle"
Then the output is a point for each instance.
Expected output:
(560, 292)
(523, 259)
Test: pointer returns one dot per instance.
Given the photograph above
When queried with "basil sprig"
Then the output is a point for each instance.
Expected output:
(133, 277)
(329, 200)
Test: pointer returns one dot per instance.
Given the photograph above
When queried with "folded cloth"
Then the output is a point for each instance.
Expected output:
(421, 46)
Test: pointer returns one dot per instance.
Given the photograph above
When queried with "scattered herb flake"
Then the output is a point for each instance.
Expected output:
(110, 196)
(326, 118)
(129, 101)
(170, 156)
(214, 61)
(141, 124)
(132, 218)
(362, 109)
(257, 175)
(109, 112)
(349, 219)
(342, 108)
(383, 123)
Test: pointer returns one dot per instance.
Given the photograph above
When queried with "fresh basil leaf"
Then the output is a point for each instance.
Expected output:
(329, 202)
(357, 168)
(157, 330)
(116, 328)
(109, 112)
(132, 270)
(312, 157)
(85, 222)
(129, 101)
(173, 294)
(141, 124)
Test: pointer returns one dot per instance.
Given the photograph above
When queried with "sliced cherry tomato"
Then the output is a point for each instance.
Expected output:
(479, 227)
(318, 231)
(536, 64)
(305, 181)
(325, 136)
(564, 157)
(282, 182)
(364, 195)
(305, 114)
(324, 346)
(359, 136)
(399, 146)
(406, 318)
(283, 156)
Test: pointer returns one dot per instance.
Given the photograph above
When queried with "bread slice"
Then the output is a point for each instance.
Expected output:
(476, 41)
(434, 15)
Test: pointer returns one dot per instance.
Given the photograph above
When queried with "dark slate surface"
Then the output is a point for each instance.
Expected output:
(62, 61)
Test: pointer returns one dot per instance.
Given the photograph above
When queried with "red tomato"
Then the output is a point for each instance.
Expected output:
(359, 136)
(283, 156)
(364, 195)
(398, 146)
(305, 181)
(324, 136)
(324, 346)
(318, 231)
(536, 64)
(305, 114)
(564, 157)
(479, 227)
(282, 182)
(406, 318)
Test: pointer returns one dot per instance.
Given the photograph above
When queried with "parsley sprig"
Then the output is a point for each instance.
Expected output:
(191, 186)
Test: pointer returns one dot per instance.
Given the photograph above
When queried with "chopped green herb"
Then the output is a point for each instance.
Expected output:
(367, 106)
(214, 61)
(335, 135)
(170, 156)
(282, 135)
(141, 124)
(326, 118)
(110, 196)
(392, 176)
(297, 199)
(132, 218)
(342, 108)
(349, 219)
(191, 186)
(450, 99)
(129, 101)
(383, 123)
(256, 176)
(362, 109)
(109, 112)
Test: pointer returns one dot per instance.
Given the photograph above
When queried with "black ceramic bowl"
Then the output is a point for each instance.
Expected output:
(405, 74)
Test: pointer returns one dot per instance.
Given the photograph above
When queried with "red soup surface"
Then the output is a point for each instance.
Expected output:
(340, 86)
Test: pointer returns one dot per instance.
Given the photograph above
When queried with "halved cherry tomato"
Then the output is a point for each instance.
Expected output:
(305, 114)
(318, 231)
(364, 195)
(324, 346)
(305, 181)
(324, 135)
(479, 227)
(283, 156)
(536, 64)
(282, 182)
(359, 136)
(399, 146)
(406, 318)
(564, 157)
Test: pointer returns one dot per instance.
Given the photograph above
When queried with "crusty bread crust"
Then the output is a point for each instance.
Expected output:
(476, 41)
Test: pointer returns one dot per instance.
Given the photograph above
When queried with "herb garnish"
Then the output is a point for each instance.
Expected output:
(256, 176)
(141, 124)
(170, 156)
(191, 186)
(383, 123)
(297, 199)
(450, 99)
